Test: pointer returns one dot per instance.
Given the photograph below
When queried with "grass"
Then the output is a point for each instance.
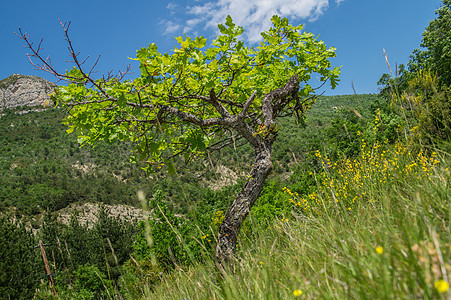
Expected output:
(394, 242)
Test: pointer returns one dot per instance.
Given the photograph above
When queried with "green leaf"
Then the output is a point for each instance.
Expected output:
(229, 22)
(210, 84)
(122, 101)
(81, 140)
(200, 42)
(222, 29)
(171, 168)
(154, 147)
(275, 20)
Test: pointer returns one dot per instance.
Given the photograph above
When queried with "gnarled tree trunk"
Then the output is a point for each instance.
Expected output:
(241, 206)
(272, 103)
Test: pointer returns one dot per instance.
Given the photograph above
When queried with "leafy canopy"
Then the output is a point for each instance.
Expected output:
(168, 110)
(436, 41)
(434, 56)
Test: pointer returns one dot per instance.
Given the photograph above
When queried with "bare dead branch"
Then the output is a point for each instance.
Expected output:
(45, 64)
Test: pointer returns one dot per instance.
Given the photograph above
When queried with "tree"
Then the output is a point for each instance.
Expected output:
(436, 42)
(396, 83)
(199, 99)
(427, 80)
(435, 55)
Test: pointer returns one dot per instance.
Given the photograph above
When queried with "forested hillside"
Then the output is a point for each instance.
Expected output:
(44, 169)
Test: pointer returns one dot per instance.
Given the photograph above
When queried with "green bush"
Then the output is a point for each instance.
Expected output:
(90, 282)
(343, 133)
(176, 240)
(427, 106)
(271, 204)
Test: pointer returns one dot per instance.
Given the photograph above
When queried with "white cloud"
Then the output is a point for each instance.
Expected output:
(191, 23)
(171, 6)
(254, 15)
(170, 27)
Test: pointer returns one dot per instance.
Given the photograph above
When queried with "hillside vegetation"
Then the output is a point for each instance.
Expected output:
(44, 169)
(358, 205)
(335, 220)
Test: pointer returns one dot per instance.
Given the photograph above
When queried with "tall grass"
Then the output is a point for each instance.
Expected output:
(377, 227)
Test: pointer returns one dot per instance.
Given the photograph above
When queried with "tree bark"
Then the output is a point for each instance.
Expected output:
(241, 206)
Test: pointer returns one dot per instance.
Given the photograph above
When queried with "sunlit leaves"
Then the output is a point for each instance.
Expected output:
(183, 80)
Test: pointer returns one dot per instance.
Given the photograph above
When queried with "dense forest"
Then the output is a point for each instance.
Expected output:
(357, 206)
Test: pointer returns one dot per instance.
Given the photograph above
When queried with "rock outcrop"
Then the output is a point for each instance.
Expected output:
(24, 90)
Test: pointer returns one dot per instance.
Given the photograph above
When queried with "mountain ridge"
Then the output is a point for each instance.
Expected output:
(24, 90)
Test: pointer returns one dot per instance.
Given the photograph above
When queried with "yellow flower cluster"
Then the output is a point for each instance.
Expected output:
(301, 203)
(206, 237)
(377, 121)
(360, 179)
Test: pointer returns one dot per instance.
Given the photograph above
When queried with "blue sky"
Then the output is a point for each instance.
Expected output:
(359, 29)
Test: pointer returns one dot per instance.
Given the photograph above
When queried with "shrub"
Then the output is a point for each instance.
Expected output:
(426, 108)
(169, 238)
(352, 182)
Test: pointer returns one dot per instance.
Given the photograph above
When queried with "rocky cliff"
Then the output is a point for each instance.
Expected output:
(23, 90)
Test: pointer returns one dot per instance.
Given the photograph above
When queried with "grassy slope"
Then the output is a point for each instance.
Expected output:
(393, 241)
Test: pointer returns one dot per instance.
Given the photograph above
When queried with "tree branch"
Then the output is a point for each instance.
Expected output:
(247, 105)
(218, 106)
(193, 118)
(46, 64)
(290, 88)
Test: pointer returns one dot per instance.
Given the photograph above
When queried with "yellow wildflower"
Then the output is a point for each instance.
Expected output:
(380, 250)
(441, 286)
(297, 293)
